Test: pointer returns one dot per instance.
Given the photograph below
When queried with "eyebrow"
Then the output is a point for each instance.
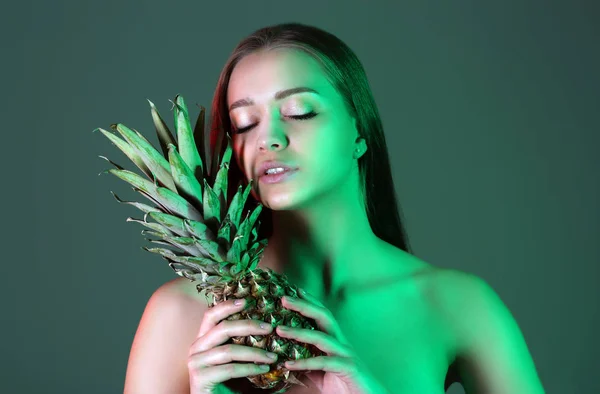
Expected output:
(278, 96)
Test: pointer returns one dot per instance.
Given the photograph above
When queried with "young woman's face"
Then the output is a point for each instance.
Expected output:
(321, 146)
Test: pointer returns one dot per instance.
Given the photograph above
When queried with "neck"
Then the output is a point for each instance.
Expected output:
(322, 247)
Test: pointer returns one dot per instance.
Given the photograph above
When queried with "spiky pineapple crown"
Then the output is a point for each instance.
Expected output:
(191, 211)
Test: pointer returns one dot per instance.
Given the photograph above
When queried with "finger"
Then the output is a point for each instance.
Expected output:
(226, 329)
(305, 307)
(307, 296)
(222, 373)
(324, 363)
(228, 353)
(322, 316)
(321, 340)
(219, 312)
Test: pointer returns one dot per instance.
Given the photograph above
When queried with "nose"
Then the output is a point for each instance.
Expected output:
(273, 136)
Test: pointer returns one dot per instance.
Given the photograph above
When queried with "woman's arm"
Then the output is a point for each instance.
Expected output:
(492, 354)
(158, 358)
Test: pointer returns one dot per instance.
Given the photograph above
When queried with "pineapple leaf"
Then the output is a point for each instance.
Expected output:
(162, 251)
(211, 204)
(256, 259)
(171, 222)
(158, 165)
(220, 188)
(198, 229)
(235, 270)
(197, 263)
(255, 232)
(178, 204)
(153, 226)
(185, 272)
(142, 207)
(225, 232)
(171, 201)
(221, 178)
(154, 234)
(184, 243)
(228, 151)
(233, 254)
(185, 138)
(238, 202)
(235, 210)
(244, 262)
(215, 154)
(162, 130)
(160, 242)
(111, 162)
(199, 139)
(184, 178)
(247, 225)
(154, 200)
(128, 151)
(210, 248)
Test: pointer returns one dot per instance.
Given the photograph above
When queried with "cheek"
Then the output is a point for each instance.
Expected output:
(330, 163)
(241, 158)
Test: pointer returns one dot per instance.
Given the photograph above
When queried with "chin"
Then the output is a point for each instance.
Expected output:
(278, 202)
(279, 197)
(281, 200)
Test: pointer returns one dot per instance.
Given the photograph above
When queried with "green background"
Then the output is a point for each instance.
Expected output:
(491, 115)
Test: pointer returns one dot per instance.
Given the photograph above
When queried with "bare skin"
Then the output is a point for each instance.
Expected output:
(414, 352)
(320, 223)
(322, 237)
(398, 312)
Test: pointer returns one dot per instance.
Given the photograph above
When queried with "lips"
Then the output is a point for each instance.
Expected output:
(277, 178)
(265, 165)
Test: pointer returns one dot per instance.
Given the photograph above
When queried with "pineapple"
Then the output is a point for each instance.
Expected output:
(203, 236)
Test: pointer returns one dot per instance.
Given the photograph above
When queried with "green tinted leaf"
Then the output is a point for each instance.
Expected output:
(171, 222)
(129, 151)
(158, 165)
(185, 181)
(178, 204)
(199, 138)
(185, 138)
(142, 207)
(153, 226)
(162, 130)
(211, 204)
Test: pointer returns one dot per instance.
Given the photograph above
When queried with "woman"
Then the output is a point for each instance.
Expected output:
(296, 97)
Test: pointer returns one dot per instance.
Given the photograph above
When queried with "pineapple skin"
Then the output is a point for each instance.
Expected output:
(263, 290)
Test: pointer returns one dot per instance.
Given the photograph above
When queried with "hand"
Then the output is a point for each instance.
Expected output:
(339, 371)
(210, 362)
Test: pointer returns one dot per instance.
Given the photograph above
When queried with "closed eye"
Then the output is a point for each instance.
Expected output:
(297, 117)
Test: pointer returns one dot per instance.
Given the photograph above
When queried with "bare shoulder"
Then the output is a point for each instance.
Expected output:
(451, 292)
(491, 352)
(185, 289)
(168, 327)
(449, 287)
(180, 298)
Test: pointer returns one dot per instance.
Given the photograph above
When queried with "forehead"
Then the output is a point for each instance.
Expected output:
(260, 75)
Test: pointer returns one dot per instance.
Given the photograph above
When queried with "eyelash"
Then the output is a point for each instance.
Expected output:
(297, 117)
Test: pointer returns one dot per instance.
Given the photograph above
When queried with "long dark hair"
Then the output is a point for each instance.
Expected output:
(346, 74)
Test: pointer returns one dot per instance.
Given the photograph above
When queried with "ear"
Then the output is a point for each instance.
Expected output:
(360, 147)
(361, 143)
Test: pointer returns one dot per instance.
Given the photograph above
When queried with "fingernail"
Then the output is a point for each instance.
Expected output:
(238, 302)
(265, 326)
(290, 362)
(271, 355)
